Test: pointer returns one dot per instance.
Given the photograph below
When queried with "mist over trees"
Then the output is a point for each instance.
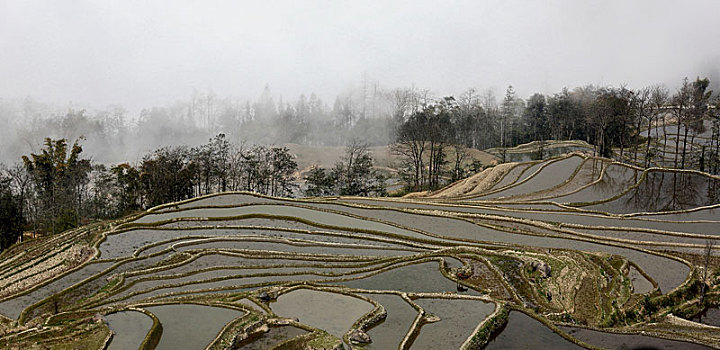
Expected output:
(112, 135)
(104, 164)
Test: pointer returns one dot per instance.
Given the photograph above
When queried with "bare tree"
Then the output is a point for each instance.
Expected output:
(641, 103)
(680, 104)
(508, 109)
(706, 268)
(659, 97)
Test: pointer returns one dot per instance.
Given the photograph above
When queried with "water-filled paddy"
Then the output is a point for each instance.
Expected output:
(616, 179)
(148, 289)
(627, 341)
(13, 307)
(189, 326)
(640, 284)
(458, 319)
(524, 332)
(667, 272)
(418, 278)
(553, 174)
(511, 176)
(129, 329)
(227, 199)
(332, 312)
(364, 250)
(285, 210)
(662, 191)
(400, 315)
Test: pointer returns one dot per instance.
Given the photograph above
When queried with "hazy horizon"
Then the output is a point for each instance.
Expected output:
(140, 55)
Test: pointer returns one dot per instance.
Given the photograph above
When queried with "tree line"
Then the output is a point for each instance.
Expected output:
(431, 136)
(353, 175)
(57, 188)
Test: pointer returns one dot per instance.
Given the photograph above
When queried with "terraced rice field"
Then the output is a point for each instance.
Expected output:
(666, 144)
(561, 253)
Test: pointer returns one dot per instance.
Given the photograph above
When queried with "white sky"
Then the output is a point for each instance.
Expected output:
(148, 53)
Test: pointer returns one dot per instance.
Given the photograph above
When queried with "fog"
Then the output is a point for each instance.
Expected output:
(74, 55)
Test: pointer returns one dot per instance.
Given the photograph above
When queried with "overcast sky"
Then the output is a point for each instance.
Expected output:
(149, 53)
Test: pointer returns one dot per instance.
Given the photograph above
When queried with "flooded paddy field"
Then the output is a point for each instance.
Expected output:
(389, 333)
(561, 239)
(178, 333)
(414, 278)
(129, 329)
(458, 319)
(551, 175)
(627, 341)
(524, 332)
(334, 313)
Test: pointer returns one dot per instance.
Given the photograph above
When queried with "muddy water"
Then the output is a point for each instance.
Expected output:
(229, 273)
(251, 305)
(280, 226)
(510, 177)
(703, 214)
(126, 243)
(260, 264)
(531, 206)
(529, 171)
(647, 221)
(417, 278)
(13, 307)
(667, 272)
(226, 199)
(129, 329)
(400, 315)
(640, 284)
(444, 226)
(283, 247)
(627, 341)
(281, 210)
(188, 326)
(458, 319)
(524, 332)
(181, 243)
(143, 288)
(616, 179)
(217, 260)
(332, 312)
(662, 191)
(658, 241)
(588, 172)
(596, 220)
(671, 130)
(550, 176)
